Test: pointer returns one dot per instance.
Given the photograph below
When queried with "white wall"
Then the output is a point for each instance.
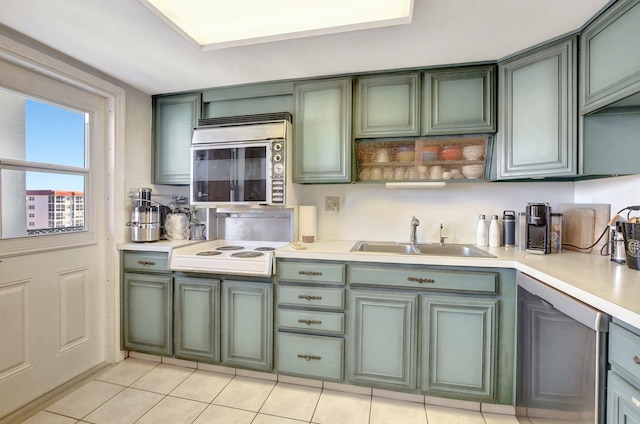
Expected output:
(620, 192)
(375, 213)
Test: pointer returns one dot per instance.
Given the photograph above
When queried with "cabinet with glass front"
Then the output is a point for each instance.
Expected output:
(425, 159)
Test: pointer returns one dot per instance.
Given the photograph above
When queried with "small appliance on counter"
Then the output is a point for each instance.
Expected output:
(617, 253)
(538, 228)
(146, 217)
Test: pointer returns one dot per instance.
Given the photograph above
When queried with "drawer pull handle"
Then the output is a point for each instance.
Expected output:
(309, 297)
(310, 273)
(635, 401)
(309, 321)
(146, 263)
(421, 280)
(309, 357)
(636, 360)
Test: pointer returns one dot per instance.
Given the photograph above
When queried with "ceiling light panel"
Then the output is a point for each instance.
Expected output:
(227, 23)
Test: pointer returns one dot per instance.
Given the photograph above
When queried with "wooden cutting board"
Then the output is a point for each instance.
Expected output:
(582, 224)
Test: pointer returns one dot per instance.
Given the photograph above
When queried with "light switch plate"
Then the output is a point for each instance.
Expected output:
(332, 203)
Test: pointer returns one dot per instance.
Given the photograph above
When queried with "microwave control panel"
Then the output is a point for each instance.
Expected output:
(278, 172)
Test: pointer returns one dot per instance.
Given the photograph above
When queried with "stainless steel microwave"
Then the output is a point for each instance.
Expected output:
(242, 164)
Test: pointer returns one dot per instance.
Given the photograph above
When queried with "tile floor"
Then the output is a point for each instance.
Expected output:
(144, 392)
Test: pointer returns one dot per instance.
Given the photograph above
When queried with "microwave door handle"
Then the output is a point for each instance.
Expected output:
(233, 178)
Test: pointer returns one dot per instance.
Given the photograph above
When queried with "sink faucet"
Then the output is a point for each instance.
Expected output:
(413, 239)
(441, 237)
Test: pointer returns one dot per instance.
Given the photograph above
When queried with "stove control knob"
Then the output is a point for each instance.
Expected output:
(277, 147)
(277, 157)
(278, 168)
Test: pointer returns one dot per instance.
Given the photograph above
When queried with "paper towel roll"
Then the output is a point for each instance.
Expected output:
(308, 223)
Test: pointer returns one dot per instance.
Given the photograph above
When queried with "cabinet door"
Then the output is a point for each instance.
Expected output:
(174, 118)
(147, 313)
(459, 347)
(538, 134)
(247, 324)
(460, 101)
(197, 323)
(387, 106)
(322, 131)
(383, 339)
(610, 58)
(623, 404)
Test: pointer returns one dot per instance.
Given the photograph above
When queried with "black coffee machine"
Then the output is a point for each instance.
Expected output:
(538, 228)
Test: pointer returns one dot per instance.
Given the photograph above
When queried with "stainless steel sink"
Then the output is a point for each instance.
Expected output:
(461, 250)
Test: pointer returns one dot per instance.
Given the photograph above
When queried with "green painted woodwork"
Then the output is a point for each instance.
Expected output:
(314, 297)
(146, 261)
(310, 356)
(459, 345)
(147, 313)
(196, 319)
(424, 277)
(311, 321)
(322, 131)
(387, 105)
(622, 401)
(311, 272)
(459, 101)
(174, 118)
(610, 58)
(538, 136)
(248, 100)
(247, 324)
(382, 347)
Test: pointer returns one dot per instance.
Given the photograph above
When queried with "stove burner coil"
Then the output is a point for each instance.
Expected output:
(247, 254)
(208, 253)
(264, 249)
(229, 248)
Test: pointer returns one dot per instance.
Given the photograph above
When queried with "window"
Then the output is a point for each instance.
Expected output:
(43, 150)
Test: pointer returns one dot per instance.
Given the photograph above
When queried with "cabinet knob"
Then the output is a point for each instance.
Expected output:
(311, 273)
(636, 360)
(421, 280)
(309, 297)
(309, 357)
(309, 321)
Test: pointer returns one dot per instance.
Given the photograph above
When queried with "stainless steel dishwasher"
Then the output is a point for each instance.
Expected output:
(561, 355)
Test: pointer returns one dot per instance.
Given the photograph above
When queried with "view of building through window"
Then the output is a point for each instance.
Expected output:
(43, 170)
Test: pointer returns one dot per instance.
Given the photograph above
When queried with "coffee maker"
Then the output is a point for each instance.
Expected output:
(538, 228)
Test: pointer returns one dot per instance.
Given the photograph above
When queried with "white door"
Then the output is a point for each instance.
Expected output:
(52, 281)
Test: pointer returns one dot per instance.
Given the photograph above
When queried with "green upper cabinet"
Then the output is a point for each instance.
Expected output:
(459, 101)
(248, 100)
(537, 108)
(174, 118)
(610, 57)
(322, 131)
(387, 105)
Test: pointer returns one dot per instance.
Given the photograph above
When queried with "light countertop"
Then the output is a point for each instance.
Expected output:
(592, 279)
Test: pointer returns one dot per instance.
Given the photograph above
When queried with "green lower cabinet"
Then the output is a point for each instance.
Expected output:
(459, 345)
(247, 324)
(383, 328)
(196, 322)
(147, 313)
(311, 356)
(623, 405)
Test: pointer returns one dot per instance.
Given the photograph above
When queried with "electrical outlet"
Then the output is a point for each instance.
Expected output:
(332, 203)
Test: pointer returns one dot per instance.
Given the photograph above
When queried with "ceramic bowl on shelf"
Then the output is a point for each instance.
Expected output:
(451, 153)
(430, 153)
(473, 152)
(473, 172)
(405, 156)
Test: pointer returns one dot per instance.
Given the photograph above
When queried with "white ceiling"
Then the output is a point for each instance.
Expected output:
(124, 39)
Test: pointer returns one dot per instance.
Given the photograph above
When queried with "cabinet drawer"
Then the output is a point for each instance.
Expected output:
(318, 297)
(146, 261)
(311, 272)
(623, 400)
(463, 281)
(624, 350)
(311, 356)
(311, 321)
